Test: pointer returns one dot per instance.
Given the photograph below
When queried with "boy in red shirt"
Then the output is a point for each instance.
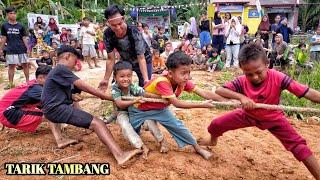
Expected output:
(170, 86)
(19, 107)
(262, 85)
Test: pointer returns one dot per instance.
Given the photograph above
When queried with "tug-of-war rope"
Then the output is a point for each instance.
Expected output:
(236, 105)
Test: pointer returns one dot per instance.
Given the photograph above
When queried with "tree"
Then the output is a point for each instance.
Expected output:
(309, 14)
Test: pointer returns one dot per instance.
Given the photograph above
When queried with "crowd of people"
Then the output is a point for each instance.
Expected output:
(55, 92)
(228, 34)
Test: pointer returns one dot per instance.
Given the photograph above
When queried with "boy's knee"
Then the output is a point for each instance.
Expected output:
(215, 127)
(301, 152)
(96, 123)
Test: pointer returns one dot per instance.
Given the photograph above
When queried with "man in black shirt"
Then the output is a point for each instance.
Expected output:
(129, 43)
(205, 36)
(14, 34)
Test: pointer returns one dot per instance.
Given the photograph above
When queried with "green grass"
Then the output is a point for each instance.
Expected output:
(225, 77)
(310, 78)
(190, 96)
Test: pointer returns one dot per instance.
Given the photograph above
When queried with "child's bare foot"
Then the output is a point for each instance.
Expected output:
(207, 141)
(164, 146)
(121, 159)
(204, 153)
(145, 150)
(62, 143)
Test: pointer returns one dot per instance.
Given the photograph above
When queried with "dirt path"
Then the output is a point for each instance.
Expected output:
(242, 154)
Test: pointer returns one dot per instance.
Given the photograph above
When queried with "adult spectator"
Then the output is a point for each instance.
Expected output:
(315, 46)
(233, 33)
(52, 24)
(218, 32)
(14, 34)
(129, 43)
(193, 28)
(186, 30)
(205, 36)
(275, 27)
(285, 30)
(227, 18)
(87, 36)
(263, 30)
(40, 23)
(139, 26)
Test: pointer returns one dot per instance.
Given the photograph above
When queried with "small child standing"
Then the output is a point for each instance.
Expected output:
(262, 85)
(170, 86)
(123, 86)
(161, 39)
(315, 46)
(214, 62)
(57, 102)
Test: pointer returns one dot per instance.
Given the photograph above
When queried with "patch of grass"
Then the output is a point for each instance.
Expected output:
(310, 78)
(190, 96)
(225, 77)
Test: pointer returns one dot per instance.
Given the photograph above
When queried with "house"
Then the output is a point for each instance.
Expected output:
(250, 16)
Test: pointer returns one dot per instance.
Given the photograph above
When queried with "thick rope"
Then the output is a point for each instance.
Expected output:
(236, 105)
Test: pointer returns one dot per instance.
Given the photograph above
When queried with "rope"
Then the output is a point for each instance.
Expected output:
(236, 105)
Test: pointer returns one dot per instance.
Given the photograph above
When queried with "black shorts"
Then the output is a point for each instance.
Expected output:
(69, 115)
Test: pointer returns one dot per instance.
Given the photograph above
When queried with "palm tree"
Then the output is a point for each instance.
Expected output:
(309, 14)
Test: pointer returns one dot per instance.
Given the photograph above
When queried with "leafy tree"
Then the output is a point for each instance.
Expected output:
(309, 15)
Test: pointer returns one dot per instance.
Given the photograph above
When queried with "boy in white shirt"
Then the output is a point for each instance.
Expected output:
(87, 36)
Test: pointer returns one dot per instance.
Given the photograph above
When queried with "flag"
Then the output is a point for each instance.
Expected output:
(259, 8)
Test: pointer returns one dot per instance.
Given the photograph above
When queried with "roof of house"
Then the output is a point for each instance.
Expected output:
(230, 1)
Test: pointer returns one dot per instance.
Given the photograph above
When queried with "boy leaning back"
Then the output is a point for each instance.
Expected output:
(262, 85)
(57, 102)
(123, 86)
(170, 86)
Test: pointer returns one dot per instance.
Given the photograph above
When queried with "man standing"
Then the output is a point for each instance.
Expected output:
(129, 43)
(14, 34)
(87, 35)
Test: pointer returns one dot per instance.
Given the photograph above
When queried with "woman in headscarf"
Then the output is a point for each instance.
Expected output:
(40, 23)
(193, 27)
(280, 52)
(233, 33)
(52, 24)
(186, 30)
(285, 30)
(264, 29)
(218, 32)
